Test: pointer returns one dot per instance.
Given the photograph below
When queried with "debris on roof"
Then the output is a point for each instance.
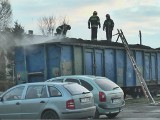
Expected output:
(41, 40)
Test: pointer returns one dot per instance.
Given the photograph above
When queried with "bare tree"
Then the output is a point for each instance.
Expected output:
(47, 25)
(18, 30)
(5, 13)
(63, 20)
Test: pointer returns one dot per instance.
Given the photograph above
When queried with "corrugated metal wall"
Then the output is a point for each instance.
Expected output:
(158, 67)
(130, 74)
(41, 62)
(120, 67)
(53, 60)
(35, 63)
(139, 61)
(66, 60)
(20, 66)
(99, 63)
(110, 66)
(78, 61)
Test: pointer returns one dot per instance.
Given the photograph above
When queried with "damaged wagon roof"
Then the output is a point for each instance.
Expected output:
(35, 39)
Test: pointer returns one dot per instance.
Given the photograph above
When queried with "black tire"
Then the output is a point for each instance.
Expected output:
(49, 114)
(113, 115)
(96, 115)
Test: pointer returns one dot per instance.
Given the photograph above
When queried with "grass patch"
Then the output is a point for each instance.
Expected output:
(142, 100)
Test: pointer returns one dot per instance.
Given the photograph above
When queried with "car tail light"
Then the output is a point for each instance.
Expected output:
(102, 97)
(70, 104)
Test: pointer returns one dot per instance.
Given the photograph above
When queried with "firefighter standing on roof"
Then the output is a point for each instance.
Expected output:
(93, 23)
(108, 27)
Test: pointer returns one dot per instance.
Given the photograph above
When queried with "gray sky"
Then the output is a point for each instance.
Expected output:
(128, 15)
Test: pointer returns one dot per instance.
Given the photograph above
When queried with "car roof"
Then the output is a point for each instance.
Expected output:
(40, 83)
(46, 83)
(79, 76)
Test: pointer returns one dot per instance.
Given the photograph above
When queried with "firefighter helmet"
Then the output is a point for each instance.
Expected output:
(95, 13)
(107, 15)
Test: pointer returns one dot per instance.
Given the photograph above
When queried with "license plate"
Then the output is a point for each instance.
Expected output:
(83, 100)
(116, 100)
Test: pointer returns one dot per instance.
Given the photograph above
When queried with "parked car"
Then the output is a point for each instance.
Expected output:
(108, 96)
(47, 100)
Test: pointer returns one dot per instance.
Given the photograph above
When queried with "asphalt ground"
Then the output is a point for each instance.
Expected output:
(139, 109)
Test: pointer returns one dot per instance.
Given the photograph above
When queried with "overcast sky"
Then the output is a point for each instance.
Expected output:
(128, 15)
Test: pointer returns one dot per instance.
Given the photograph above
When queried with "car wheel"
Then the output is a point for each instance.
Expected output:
(113, 115)
(49, 115)
(96, 115)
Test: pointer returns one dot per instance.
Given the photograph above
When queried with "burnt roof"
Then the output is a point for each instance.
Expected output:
(47, 40)
(104, 43)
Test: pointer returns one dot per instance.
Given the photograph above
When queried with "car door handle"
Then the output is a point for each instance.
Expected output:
(42, 102)
(17, 103)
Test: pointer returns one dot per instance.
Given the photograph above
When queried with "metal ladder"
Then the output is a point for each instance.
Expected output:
(138, 73)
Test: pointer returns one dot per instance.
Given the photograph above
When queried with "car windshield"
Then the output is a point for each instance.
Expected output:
(76, 89)
(106, 84)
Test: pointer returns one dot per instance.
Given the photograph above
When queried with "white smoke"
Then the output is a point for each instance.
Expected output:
(5, 45)
(7, 41)
(37, 39)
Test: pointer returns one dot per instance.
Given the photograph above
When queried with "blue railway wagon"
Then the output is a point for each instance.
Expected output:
(39, 62)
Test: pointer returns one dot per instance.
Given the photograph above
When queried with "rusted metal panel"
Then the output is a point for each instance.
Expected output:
(78, 61)
(153, 67)
(66, 60)
(35, 58)
(120, 67)
(35, 62)
(158, 67)
(89, 62)
(53, 60)
(36, 78)
(21, 77)
(140, 64)
(147, 64)
(20, 69)
(130, 74)
(55, 72)
(66, 68)
(99, 69)
(110, 69)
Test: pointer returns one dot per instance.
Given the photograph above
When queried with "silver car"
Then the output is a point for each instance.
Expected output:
(108, 96)
(47, 100)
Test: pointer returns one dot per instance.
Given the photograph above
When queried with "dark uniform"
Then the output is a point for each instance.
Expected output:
(95, 22)
(62, 30)
(108, 27)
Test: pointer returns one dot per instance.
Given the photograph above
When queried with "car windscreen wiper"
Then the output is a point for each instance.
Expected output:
(85, 92)
(115, 88)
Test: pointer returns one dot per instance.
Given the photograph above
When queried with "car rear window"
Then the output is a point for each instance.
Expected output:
(72, 80)
(57, 80)
(76, 89)
(106, 84)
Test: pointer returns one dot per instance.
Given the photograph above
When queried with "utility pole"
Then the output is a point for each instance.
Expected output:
(140, 36)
